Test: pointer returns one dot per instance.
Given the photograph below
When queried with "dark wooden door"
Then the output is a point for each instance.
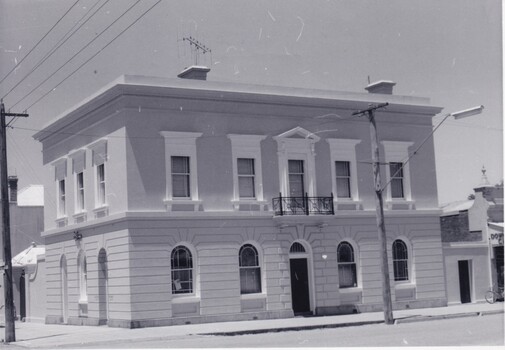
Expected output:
(22, 297)
(300, 286)
(464, 281)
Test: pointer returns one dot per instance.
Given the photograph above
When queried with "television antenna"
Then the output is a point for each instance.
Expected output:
(197, 47)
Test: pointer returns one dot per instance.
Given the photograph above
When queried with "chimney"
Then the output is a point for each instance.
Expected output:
(381, 87)
(13, 188)
(194, 72)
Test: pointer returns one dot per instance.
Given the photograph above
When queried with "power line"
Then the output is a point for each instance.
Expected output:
(37, 44)
(77, 53)
(62, 41)
(103, 48)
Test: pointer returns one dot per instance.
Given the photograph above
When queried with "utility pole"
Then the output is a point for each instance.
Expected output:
(379, 205)
(10, 333)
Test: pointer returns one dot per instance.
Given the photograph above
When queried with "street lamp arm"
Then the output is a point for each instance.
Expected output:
(414, 153)
(457, 115)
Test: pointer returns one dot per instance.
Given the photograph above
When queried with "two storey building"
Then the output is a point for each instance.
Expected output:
(186, 200)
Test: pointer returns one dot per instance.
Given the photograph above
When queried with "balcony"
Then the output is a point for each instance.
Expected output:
(303, 205)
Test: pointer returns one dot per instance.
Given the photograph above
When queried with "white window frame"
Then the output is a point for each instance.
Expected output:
(247, 146)
(181, 144)
(79, 166)
(195, 295)
(60, 174)
(80, 200)
(345, 150)
(261, 266)
(290, 146)
(398, 152)
(99, 157)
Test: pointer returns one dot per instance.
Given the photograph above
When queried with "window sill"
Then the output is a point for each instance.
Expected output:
(346, 204)
(252, 296)
(400, 204)
(351, 290)
(237, 203)
(404, 285)
(184, 299)
(101, 211)
(61, 221)
(80, 217)
(169, 203)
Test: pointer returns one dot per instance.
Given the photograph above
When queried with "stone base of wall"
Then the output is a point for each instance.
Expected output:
(360, 308)
(76, 321)
(264, 315)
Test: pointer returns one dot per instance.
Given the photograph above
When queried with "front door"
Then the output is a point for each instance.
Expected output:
(299, 286)
(464, 281)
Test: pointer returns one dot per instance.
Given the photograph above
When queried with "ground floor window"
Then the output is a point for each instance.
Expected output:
(250, 271)
(182, 270)
(346, 266)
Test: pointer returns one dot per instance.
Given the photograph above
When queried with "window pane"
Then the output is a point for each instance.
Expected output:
(246, 187)
(342, 168)
(101, 183)
(345, 252)
(180, 165)
(61, 203)
(396, 173)
(250, 280)
(180, 186)
(397, 188)
(182, 270)
(343, 188)
(80, 191)
(245, 166)
(400, 261)
(347, 275)
(295, 166)
(248, 256)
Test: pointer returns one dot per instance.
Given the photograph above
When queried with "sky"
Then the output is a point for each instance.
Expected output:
(447, 50)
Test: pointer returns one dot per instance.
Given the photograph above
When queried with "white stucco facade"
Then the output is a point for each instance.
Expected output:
(160, 173)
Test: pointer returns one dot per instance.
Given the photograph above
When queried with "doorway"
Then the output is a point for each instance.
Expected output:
(300, 286)
(22, 297)
(464, 281)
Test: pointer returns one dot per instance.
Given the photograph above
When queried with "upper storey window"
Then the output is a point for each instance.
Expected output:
(247, 171)
(398, 174)
(60, 176)
(297, 172)
(181, 169)
(99, 160)
(78, 169)
(344, 173)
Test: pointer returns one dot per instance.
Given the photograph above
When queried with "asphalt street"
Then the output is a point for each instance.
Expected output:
(467, 331)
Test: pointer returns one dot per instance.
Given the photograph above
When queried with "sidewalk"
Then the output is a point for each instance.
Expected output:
(37, 335)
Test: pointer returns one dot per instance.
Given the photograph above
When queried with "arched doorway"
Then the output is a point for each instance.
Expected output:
(64, 289)
(300, 279)
(102, 287)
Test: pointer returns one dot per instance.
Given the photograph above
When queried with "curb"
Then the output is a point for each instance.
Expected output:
(445, 317)
(289, 329)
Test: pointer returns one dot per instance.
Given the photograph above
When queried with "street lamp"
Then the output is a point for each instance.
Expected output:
(381, 227)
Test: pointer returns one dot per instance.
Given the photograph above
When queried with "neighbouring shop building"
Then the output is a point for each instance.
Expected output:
(472, 235)
(186, 200)
(26, 207)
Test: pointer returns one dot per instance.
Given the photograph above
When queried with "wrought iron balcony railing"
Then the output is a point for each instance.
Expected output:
(303, 205)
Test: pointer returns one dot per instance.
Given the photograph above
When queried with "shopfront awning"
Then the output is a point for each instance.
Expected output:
(28, 256)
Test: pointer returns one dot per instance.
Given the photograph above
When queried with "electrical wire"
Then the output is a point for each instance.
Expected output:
(77, 53)
(62, 41)
(110, 42)
(37, 44)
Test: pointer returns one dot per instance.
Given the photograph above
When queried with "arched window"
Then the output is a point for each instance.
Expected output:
(297, 248)
(182, 270)
(346, 265)
(82, 272)
(250, 271)
(400, 260)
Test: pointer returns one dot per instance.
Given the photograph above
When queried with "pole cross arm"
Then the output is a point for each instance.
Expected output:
(15, 114)
(371, 108)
